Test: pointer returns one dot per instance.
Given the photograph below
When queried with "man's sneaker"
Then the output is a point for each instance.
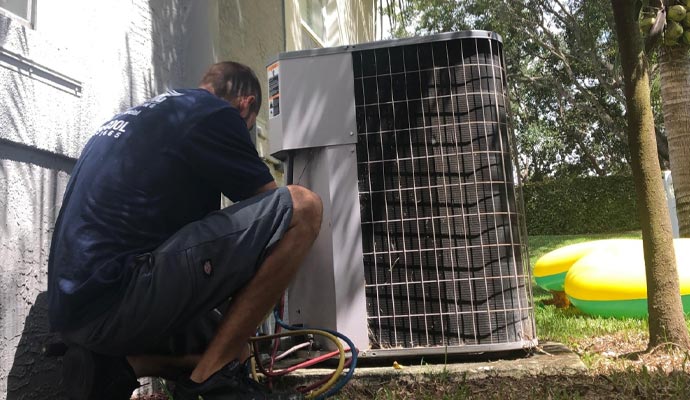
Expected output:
(90, 376)
(232, 382)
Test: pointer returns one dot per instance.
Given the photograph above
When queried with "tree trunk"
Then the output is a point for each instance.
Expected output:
(675, 94)
(666, 318)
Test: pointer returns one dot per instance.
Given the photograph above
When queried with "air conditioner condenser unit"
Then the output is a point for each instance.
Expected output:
(409, 144)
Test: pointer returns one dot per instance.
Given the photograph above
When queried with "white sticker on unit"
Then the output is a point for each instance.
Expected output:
(273, 72)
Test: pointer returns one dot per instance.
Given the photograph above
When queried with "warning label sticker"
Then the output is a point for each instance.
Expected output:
(273, 90)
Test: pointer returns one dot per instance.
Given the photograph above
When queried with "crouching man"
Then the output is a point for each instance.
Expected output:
(142, 258)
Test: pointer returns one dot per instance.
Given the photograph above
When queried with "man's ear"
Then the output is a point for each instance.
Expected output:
(245, 104)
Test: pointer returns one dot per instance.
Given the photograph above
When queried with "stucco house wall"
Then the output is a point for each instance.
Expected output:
(81, 62)
(77, 64)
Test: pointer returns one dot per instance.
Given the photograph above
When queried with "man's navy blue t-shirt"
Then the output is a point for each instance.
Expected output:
(142, 176)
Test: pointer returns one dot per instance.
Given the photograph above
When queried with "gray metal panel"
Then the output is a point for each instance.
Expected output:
(317, 105)
(346, 229)
(306, 305)
(328, 291)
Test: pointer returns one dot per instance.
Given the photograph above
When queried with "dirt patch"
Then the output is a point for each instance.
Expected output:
(618, 368)
(619, 385)
(625, 351)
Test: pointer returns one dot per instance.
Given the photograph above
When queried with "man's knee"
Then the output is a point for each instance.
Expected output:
(307, 208)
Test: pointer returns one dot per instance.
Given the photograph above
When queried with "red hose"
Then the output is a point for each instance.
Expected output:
(295, 367)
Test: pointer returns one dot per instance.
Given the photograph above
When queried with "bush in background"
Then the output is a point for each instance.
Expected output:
(581, 205)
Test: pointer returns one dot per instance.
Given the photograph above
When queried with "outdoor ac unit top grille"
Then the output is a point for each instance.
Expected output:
(441, 236)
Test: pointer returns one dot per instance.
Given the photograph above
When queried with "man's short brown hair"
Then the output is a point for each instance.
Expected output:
(230, 80)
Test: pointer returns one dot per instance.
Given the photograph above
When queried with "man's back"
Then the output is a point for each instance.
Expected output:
(141, 177)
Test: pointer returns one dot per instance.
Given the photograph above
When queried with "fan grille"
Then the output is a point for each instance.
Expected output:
(443, 244)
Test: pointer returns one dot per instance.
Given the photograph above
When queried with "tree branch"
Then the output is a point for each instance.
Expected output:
(654, 35)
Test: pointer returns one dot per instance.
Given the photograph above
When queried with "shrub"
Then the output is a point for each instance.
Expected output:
(581, 205)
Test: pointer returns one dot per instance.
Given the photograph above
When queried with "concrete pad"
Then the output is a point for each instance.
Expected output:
(549, 358)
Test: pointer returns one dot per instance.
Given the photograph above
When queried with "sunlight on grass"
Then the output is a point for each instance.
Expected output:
(569, 325)
(611, 376)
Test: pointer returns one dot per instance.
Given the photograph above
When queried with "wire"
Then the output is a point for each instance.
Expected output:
(309, 160)
(292, 350)
(252, 361)
(304, 364)
(289, 172)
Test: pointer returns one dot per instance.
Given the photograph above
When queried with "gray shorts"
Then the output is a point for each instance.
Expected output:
(174, 300)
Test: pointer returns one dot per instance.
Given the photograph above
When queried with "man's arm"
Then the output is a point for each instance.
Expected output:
(269, 186)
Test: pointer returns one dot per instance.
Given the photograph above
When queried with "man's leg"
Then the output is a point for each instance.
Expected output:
(169, 367)
(250, 304)
(178, 268)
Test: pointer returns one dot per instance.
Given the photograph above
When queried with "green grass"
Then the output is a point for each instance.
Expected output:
(569, 325)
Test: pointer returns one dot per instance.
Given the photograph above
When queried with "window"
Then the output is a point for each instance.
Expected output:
(23, 9)
(313, 14)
